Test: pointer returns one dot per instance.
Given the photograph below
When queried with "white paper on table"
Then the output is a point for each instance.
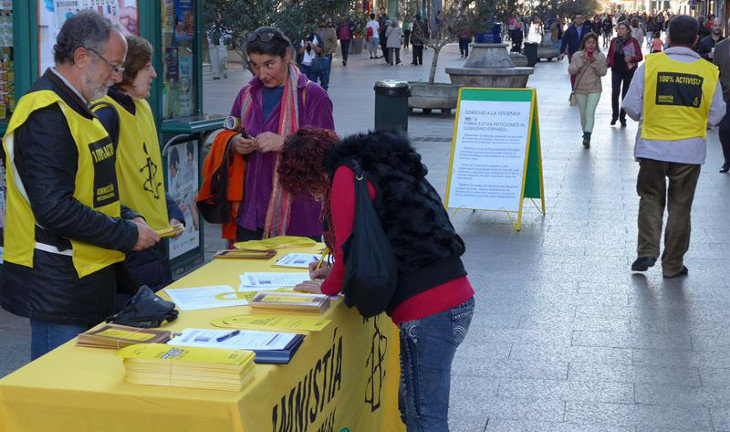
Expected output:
(298, 260)
(207, 297)
(262, 280)
(245, 340)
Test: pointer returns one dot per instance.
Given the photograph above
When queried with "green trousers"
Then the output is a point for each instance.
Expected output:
(587, 104)
(652, 188)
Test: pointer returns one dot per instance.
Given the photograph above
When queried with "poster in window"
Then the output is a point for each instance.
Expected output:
(182, 170)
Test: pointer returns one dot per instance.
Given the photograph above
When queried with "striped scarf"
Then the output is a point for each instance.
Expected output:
(278, 213)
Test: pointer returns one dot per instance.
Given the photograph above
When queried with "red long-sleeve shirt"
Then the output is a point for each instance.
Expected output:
(433, 301)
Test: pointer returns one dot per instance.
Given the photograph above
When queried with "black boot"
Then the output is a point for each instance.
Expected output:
(587, 139)
(614, 120)
(725, 168)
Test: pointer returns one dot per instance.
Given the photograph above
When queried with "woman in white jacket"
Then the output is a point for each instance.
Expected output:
(394, 36)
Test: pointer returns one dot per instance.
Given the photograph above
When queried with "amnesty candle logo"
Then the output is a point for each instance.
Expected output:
(149, 169)
(376, 363)
(679, 89)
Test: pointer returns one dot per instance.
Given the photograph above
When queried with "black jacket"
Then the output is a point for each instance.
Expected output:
(571, 39)
(151, 266)
(427, 247)
(704, 47)
(46, 159)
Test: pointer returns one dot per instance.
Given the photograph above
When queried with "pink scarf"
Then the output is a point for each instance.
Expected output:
(278, 212)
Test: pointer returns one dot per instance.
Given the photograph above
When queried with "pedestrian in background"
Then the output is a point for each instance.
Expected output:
(217, 51)
(328, 36)
(670, 143)
(372, 32)
(344, 34)
(418, 37)
(636, 32)
(464, 41)
(722, 61)
(395, 36)
(309, 49)
(624, 56)
(407, 29)
(588, 65)
(556, 33)
(572, 40)
(706, 46)
(384, 18)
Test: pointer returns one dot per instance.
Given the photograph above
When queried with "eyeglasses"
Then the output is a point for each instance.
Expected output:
(264, 37)
(116, 69)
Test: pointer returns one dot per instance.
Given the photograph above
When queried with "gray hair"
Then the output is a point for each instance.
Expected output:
(85, 29)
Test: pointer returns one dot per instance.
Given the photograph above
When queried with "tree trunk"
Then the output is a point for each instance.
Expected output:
(434, 62)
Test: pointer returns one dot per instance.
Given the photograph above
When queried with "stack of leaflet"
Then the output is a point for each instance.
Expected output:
(291, 301)
(206, 368)
(270, 347)
(265, 281)
(115, 336)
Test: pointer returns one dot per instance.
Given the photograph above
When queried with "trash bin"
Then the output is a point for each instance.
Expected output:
(531, 53)
(391, 105)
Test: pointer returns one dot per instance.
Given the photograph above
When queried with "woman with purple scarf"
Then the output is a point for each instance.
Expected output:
(272, 106)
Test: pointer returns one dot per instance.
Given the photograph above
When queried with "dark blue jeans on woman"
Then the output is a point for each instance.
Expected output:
(427, 348)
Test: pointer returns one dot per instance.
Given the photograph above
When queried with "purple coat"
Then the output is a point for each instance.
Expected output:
(305, 211)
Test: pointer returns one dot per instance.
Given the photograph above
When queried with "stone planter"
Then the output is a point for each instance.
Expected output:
(441, 96)
(356, 45)
(518, 59)
(490, 66)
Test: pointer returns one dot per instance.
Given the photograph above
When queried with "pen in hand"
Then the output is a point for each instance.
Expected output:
(227, 336)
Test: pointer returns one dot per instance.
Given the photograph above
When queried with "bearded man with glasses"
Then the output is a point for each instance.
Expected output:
(66, 232)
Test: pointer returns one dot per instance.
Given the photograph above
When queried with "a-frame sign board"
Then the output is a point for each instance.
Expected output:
(496, 160)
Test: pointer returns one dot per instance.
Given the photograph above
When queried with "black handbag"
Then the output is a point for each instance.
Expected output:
(371, 268)
(319, 64)
(215, 209)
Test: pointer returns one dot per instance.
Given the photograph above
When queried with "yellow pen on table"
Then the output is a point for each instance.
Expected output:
(322, 258)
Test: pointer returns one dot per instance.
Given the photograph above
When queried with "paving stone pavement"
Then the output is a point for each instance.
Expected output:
(564, 337)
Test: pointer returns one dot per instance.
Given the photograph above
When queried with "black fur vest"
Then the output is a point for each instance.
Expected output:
(410, 210)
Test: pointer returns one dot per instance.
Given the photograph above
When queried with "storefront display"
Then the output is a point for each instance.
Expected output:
(7, 69)
(53, 13)
(178, 25)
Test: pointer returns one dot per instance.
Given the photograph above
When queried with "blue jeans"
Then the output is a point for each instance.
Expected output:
(47, 336)
(324, 77)
(427, 348)
(307, 70)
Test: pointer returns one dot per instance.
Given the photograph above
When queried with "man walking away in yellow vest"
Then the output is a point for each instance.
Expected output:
(675, 95)
(66, 232)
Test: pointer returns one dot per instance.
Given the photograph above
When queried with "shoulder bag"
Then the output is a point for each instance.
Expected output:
(371, 267)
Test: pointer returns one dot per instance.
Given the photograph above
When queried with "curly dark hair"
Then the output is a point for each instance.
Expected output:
(301, 163)
(85, 29)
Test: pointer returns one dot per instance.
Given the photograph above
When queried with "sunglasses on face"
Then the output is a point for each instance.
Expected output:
(264, 37)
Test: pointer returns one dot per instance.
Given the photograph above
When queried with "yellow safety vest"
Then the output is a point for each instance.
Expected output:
(139, 164)
(677, 98)
(95, 186)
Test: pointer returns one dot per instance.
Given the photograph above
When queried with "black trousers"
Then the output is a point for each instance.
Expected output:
(384, 45)
(345, 47)
(724, 132)
(418, 54)
(464, 46)
(620, 82)
(406, 38)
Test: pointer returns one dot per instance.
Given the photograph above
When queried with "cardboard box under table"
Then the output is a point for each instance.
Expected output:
(344, 377)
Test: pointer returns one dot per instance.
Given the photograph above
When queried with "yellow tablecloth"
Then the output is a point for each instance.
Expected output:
(344, 378)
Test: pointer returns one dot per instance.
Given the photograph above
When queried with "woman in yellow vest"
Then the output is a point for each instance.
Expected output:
(127, 117)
